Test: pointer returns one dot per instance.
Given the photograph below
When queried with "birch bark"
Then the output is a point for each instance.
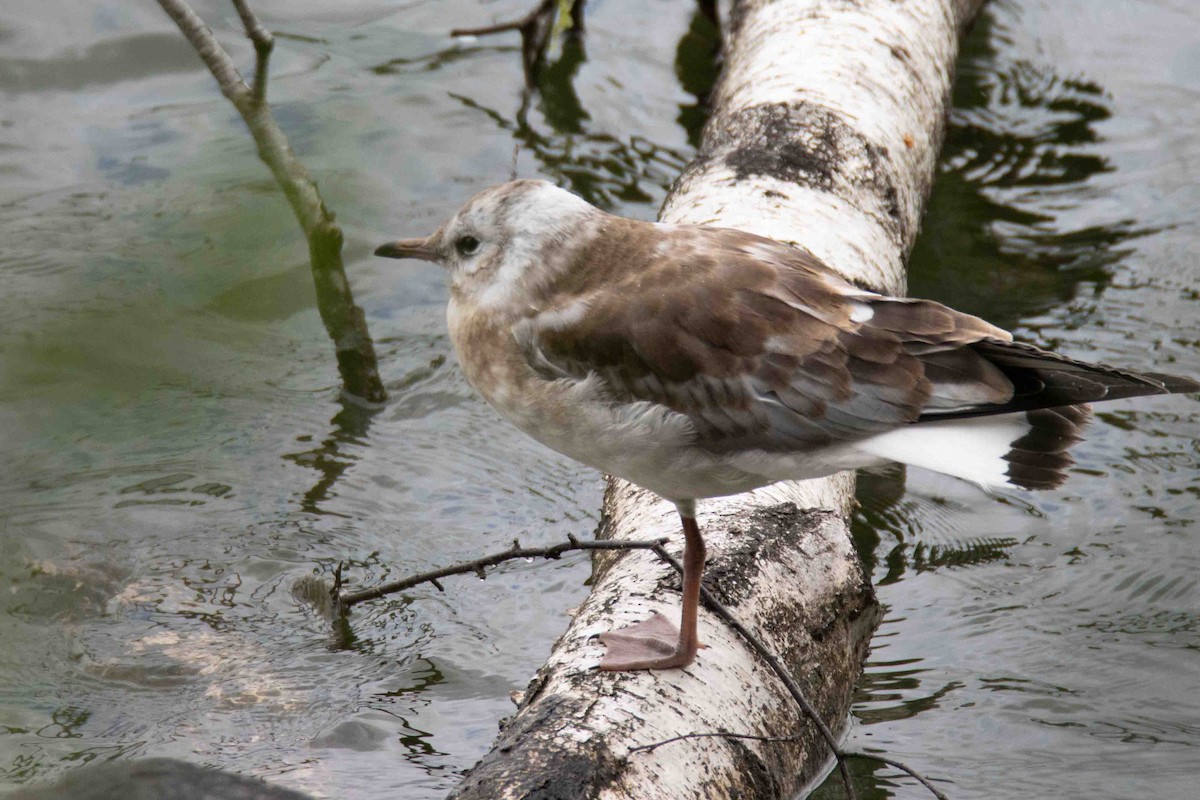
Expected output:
(825, 131)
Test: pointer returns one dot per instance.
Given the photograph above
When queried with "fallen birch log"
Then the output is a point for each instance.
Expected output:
(825, 131)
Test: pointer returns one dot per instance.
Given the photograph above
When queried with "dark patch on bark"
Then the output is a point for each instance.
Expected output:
(794, 143)
(759, 539)
(823, 628)
(808, 145)
(532, 762)
(758, 780)
(735, 20)
(891, 198)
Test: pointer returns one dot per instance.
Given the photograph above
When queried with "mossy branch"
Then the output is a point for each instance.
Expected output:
(344, 320)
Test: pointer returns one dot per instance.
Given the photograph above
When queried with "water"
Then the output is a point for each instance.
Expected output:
(174, 453)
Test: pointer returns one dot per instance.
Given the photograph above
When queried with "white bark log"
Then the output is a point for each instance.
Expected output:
(825, 132)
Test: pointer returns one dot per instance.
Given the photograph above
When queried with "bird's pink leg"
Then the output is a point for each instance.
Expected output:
(656, 643)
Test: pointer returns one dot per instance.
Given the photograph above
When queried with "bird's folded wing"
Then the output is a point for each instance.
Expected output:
(760, 345)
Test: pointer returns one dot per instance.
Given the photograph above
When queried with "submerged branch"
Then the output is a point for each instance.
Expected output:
(344, 321)
(523, 24)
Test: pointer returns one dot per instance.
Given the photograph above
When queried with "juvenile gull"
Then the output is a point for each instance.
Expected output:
(699, 362)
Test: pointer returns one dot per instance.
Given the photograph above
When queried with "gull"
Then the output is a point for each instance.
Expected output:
(698, 362)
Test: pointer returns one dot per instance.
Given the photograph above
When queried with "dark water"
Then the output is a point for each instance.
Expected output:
(174, 453)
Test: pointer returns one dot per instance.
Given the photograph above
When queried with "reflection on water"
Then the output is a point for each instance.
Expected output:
(1001, 238)
(175, 453)
(1033, 641)
(697, 64)
(599, 167)
(350, 427)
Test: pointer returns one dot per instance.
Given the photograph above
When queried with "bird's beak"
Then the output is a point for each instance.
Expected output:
(409, 248)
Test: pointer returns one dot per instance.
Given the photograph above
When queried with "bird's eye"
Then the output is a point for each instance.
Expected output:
(467, 245)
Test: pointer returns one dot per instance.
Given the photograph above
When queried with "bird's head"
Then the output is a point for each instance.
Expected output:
(506, 242)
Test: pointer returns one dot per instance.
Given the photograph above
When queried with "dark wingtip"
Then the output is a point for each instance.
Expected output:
(1175, 384)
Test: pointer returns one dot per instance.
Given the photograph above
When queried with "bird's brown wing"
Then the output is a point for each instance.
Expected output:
(760, 345)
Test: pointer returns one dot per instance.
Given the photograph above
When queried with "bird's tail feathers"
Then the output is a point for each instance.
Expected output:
(1029, 449)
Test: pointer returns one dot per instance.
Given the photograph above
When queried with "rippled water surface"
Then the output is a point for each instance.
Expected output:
(174, 453)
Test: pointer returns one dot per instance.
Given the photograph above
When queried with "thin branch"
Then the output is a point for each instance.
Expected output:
(479, 565)
(527, 21)
(793, 688)
(254, 29)
(205, 44)
(344, 321)
(264, 43)
(900, 765)
(536, 29)
(649, 748)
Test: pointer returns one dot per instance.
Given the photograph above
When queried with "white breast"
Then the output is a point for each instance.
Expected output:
(648, 444)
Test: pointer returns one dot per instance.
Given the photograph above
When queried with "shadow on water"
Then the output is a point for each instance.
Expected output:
(437, 60)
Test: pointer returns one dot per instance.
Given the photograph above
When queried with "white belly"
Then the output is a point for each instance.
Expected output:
(647, 444)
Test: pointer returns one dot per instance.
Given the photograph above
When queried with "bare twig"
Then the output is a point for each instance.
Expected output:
(344, 320)
(264, 43)
(479, 565)
(337, 578)
(649, 748)
(205, 44)
(524, 23)
(536, 29)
